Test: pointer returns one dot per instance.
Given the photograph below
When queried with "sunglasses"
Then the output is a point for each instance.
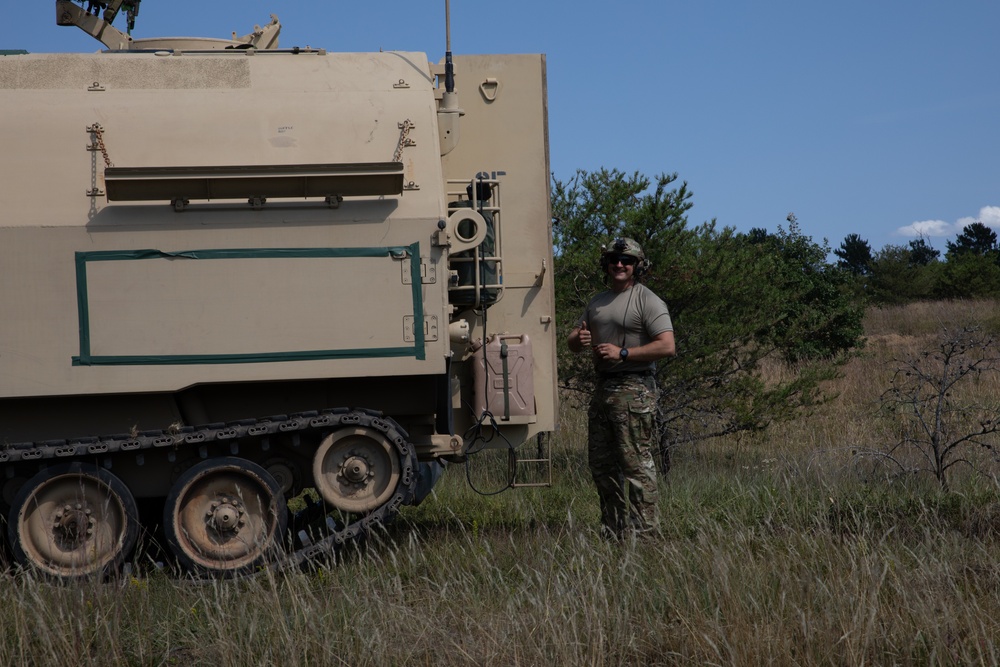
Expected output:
(626, 260)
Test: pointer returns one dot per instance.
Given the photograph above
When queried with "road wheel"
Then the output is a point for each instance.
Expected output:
(356, 469)
(224, 517)
(73, 520)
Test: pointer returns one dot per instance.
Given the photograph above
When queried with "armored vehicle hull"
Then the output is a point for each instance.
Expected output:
(229, 275)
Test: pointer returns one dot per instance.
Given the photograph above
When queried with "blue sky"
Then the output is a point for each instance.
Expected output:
(875, 118)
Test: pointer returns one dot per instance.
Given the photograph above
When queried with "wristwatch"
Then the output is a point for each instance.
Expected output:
(623, 354)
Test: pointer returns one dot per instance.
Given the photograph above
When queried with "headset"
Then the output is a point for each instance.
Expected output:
(620, 246)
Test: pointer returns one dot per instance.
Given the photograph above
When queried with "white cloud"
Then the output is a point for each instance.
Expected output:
(988, 215)
(927, 228)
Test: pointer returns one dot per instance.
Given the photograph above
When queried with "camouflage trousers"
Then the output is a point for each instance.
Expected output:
(621, 424)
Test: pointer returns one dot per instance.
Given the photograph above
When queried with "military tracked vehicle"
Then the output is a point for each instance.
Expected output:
(230, 272)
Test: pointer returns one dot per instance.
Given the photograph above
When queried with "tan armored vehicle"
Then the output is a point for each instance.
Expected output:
(230, 272)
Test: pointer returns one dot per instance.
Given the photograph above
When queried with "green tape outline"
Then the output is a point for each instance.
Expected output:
(83, 309)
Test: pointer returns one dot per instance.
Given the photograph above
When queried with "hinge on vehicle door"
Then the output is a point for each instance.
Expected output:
(428, 272)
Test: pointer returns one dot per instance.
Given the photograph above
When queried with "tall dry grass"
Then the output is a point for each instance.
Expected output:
(777, 548)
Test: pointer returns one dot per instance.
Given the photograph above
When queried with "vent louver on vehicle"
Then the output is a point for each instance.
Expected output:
(174, 184)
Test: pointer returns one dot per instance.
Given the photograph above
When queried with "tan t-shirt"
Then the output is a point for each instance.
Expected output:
(627, 319)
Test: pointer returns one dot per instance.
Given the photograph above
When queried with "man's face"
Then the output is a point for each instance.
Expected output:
(621, 268)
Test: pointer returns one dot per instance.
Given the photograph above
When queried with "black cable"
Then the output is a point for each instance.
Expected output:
(477, 429)
(628, 305)
(475, 433)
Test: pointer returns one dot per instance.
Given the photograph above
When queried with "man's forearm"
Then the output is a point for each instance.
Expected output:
(653, 351)
(658, 348)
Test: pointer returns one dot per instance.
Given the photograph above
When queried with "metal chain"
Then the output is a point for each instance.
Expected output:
(404, 130)
(99, 137)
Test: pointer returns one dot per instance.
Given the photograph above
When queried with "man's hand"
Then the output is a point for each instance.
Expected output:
(585, 339)
(608, 352)
(579, 338)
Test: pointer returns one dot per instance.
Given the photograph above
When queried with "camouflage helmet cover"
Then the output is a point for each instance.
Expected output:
(625, 246)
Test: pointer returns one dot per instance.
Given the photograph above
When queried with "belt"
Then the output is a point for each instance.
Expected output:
(605, 375)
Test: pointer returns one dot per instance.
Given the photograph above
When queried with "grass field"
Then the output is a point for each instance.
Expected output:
(787, 547)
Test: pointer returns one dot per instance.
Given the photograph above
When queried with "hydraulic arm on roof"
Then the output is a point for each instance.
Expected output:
(95, 17)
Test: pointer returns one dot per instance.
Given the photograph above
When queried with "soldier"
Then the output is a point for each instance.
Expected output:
(628, 329)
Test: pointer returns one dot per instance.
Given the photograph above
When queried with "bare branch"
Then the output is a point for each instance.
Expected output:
(942, 416)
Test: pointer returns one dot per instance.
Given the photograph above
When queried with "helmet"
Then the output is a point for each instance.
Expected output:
(626, 246)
